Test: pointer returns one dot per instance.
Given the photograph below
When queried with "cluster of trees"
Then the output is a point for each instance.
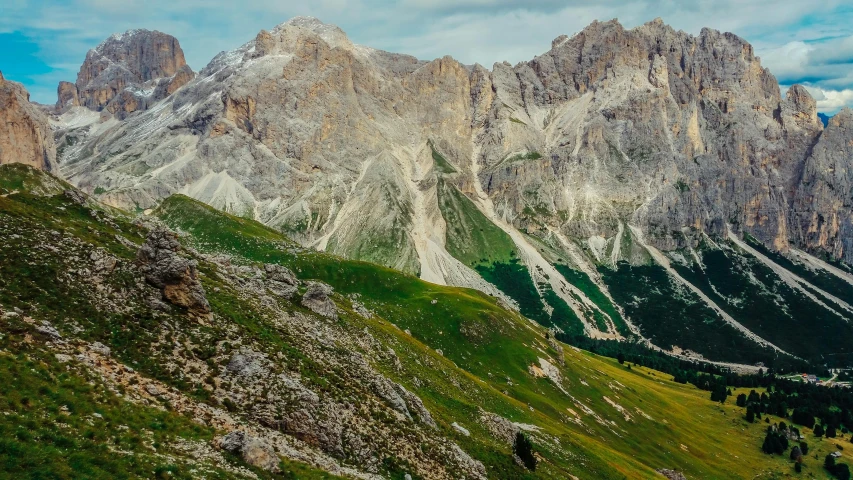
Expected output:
(719, 393)
(756, 405)
(832, 406)
(839, 470)
(776, 441)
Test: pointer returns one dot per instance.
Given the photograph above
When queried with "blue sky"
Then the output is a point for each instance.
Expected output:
(45, 41)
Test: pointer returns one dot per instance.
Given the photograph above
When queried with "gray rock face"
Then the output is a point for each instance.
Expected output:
(611, 136)
(255, 451)
(280, 280)
(824, 201)
(247, 363)
(655, 128)
(175, 276)
(316, 299)
(25, 132)
(127, 72)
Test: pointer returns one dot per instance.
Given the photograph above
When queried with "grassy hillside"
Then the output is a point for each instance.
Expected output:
(476, 241)
(466, 357)
(679, 414)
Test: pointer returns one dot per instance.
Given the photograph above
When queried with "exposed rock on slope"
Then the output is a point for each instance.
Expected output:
(25, 133)
(128, 72)
(176, 276)
(255, 451)
(317, 299)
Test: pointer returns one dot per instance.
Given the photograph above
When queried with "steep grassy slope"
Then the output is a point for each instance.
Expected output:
(469, 330)
(471, 362)
(476, 241)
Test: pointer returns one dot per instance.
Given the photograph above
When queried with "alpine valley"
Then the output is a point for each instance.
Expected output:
(314, 259)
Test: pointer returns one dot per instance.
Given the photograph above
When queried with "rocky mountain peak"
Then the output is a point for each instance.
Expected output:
(127, 72)
(299, 26)
(695, 119)
(802, 107)
(842, 119)
(25, 133)
(145, 54)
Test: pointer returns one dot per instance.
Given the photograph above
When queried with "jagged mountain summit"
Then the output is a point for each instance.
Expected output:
(533, 182)
(127, 72)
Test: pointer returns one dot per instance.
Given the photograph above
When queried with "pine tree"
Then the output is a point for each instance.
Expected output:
(818, 430)
(841, 471)
(829, 463)
(741, 400)
(830, 431)
(796, 454)
(753, 396)
(621, 358)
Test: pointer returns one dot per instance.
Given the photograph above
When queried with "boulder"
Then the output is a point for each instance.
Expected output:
(671, 474)
(280, 280)
(247, 363)
(174, 275)
(49, 330)
(254, 450)
(316, 299)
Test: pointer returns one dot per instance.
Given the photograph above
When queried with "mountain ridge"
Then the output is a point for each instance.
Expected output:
(613, 145)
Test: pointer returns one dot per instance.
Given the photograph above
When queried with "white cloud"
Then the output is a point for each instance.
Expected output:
(830, 101)
(787, 61)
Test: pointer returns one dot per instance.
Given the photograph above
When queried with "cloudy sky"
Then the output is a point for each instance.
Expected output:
(44, 41)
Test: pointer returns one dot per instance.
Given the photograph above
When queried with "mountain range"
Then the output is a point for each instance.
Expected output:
(313, 259)
(567, 185)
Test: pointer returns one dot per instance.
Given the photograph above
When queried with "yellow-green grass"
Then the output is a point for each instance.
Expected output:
(483, 345)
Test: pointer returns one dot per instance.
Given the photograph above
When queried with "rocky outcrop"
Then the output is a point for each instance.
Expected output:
(67, 95)
(25, 133)
(316, 299)
(671, 474)
(174, 275)
(280, 280)
(824, 202)
(254, 451)
(128, 72)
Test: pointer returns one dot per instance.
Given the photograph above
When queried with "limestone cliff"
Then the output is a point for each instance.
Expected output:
(824, 202)
(127, 72)
(613, 137)
(25, 133)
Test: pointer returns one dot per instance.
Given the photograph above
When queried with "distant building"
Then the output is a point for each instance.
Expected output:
(836, 454)
(812, 379)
